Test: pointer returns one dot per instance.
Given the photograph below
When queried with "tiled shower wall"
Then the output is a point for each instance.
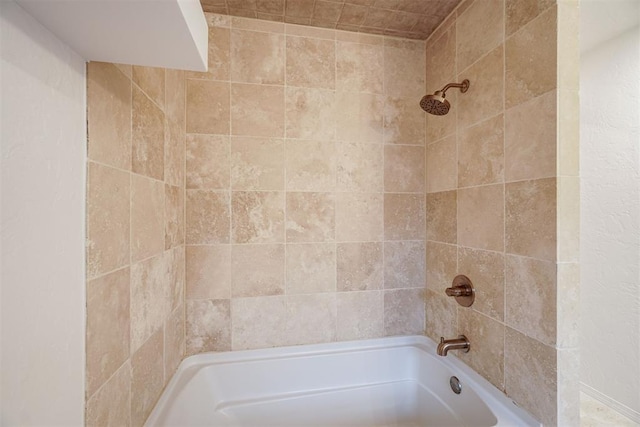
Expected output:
(305, 187)
(493, 194)
(135, 239)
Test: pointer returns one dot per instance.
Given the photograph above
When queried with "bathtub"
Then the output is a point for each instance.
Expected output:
(398, 381)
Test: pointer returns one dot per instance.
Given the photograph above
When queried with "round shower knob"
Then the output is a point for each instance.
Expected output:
(462, 290)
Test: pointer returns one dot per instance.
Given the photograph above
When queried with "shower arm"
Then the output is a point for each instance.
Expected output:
(463, 86)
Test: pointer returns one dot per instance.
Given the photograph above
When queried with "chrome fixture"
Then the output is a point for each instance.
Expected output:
(460, 343)
(436, 104)
(455, 385)
(462, 290)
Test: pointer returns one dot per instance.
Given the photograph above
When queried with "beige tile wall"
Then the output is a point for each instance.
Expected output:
(305, 196)
(135, 239)
(493, 196)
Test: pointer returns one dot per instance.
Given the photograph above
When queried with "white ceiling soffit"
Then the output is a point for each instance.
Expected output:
(156, 33)
(602, 20)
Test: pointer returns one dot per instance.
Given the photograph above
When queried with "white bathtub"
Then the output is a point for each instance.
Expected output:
(397, 381)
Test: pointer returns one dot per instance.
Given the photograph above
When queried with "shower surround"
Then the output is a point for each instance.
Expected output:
(305, 181)
(296, 193)
(502, 197)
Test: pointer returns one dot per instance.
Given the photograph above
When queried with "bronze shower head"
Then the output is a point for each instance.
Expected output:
(436, 104)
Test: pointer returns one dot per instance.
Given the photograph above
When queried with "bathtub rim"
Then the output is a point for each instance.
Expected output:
(503, 407)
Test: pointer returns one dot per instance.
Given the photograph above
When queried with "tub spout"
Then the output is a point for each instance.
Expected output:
(460, 343)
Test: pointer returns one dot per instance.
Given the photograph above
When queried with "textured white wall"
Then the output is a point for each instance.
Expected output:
(610, 211)
(42, 225)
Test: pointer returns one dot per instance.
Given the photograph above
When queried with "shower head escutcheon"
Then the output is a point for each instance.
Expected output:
(436, 104)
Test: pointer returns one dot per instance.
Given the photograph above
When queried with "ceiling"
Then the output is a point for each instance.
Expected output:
(413, 19)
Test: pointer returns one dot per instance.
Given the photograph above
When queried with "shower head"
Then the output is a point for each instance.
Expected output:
(436, 104)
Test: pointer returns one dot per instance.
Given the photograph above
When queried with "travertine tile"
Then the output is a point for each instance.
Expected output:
(176, 260)
(522, 356)
(267, 20)
(310, 165)
(208, 216)
(310, 114)
(481, 217)
(108, 224)
(257, 110)
(353, 14)
(310, 217)
(110, 405)
(218, 55)
(485, 96)
(147, 217)
(441, 314)
(479, 30)
(147, 137)
(147, 378)
(208, 161)
(151, 297)
(442, 266)
(257, 217)
(258, 322)
(257, 57)
(520, 12)
(151, 81)
(531, 297)
(359, 315)
(568, 312)
(404, 264)
(174, 153)
(531, 68)
(360, 118)
(442, 216)
(310, 268)
(357, 67)
(108, 115)
(441, 61)
(360, 266)
(530, 146)
(404, 216)
(108, 324)
(404, 312)
(403, 122)
(442, 165)
(404, 169)
(257, 164)
(311, 62)
(360, 167)
(175, 87)
(174, 344)
(208, 272)
(257, 270)
(404, 64)
(359, 217)
(311, 318)
(530, 224)
(208, 326)
(208, 107)
(486, 336)
(481, 153)
(487, 273)
(327, 11)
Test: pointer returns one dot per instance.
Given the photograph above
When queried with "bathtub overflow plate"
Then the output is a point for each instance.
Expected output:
(454, 382)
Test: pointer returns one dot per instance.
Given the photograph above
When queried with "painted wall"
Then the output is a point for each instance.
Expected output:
(610, 170)
(305, 217)
(500, 176)
(42, 229)
(135, 239)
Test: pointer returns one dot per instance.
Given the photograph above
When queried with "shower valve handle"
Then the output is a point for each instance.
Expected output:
(462, 290)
